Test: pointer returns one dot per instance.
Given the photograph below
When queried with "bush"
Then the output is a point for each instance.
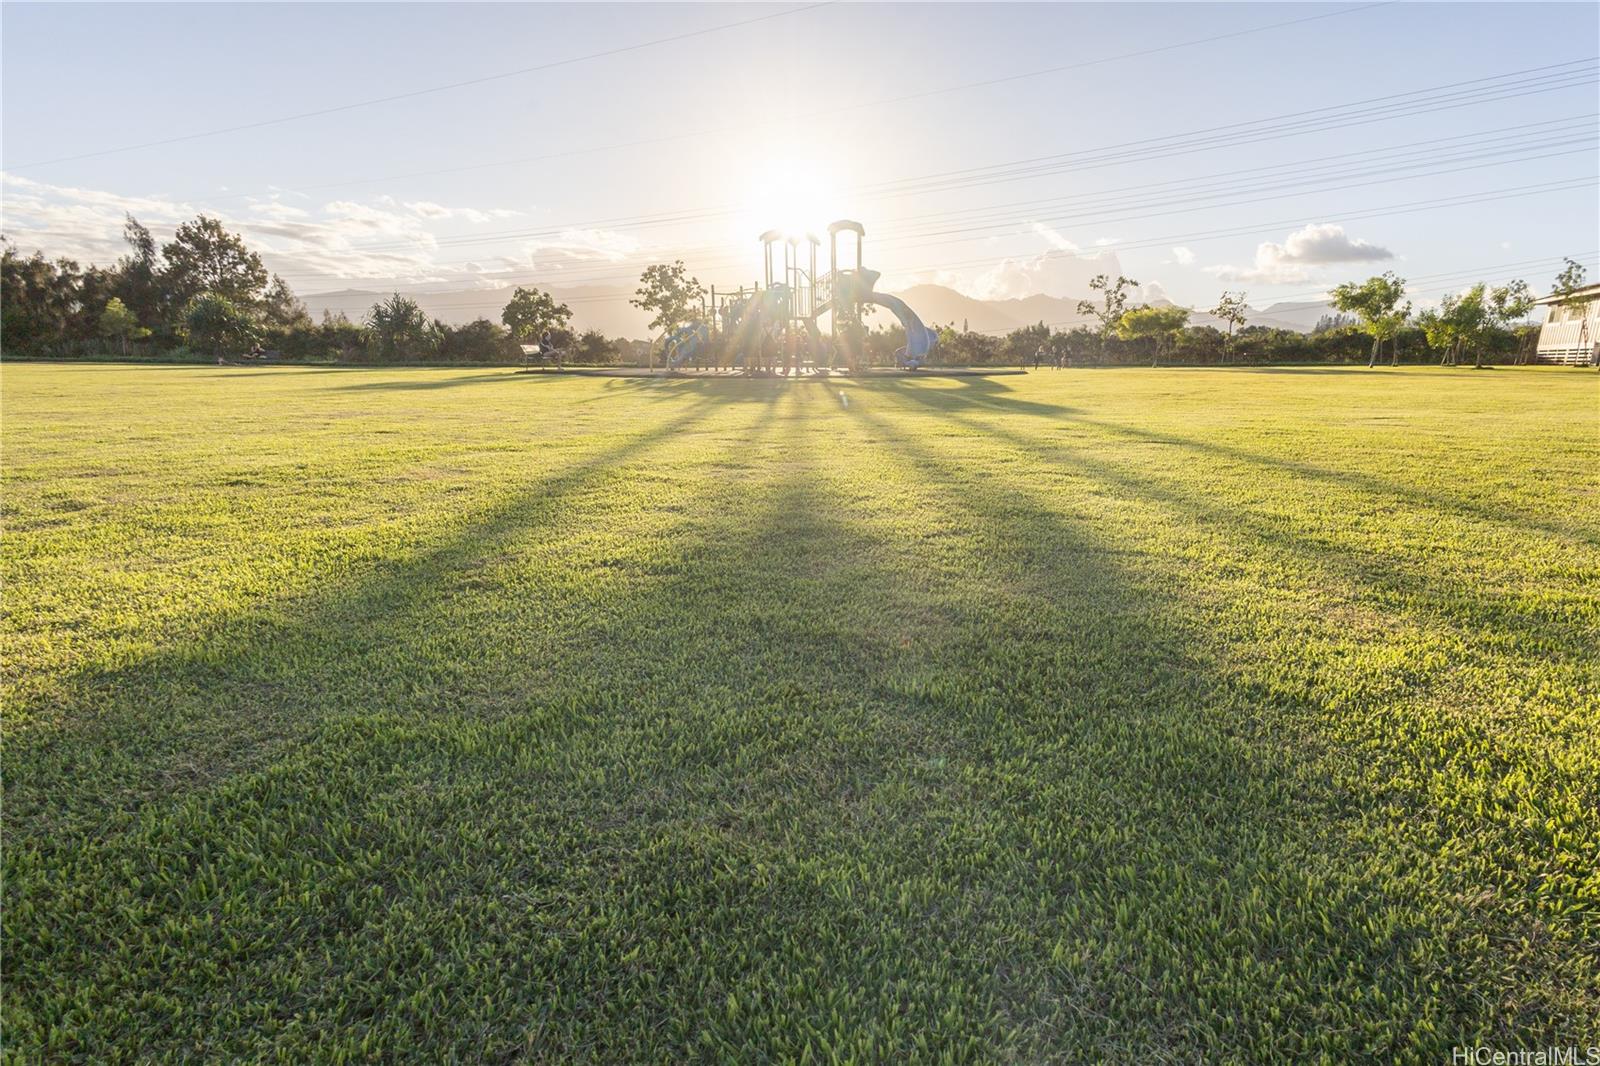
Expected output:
(479, 341)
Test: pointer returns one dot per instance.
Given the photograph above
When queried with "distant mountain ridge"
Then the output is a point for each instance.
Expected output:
(606, 309)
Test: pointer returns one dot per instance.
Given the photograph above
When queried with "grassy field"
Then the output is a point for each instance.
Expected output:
(465, 715)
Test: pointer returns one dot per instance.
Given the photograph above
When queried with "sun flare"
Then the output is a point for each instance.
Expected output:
(795, 195)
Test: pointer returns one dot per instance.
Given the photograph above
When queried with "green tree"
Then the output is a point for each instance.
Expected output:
(215, 322)
(1021, 344)
(1232, 310)
(1569, 281)
(1375, 302)
(478, 341)
(1113, 300)
(203, 257)
(116, 321)
(1567, 284)
(50, 304)
(667, 290)
(1508, 305)
(139, 284)
(400, 330)
(282, 309)
(1461, 319)
(1387, 328)
(531, 312)
(1161, 323)
(593, 349)
(36, 300)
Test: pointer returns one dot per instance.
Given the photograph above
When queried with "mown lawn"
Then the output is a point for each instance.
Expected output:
(454, 715)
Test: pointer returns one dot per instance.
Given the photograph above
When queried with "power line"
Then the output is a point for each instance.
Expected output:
(413, 94)
(1183, 205)
(1518, 146)
(842, 109)
(1427, 148)
(1273, 119)
(1089, 158)
(1252, 229)
(1359, 116)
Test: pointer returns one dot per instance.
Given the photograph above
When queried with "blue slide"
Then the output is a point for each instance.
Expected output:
(682, 343)
(919, 338)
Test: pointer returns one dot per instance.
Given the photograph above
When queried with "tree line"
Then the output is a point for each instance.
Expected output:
(205, 294)
(1487, 323)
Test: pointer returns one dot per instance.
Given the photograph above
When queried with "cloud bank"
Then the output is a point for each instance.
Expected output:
(1294, 261)
(316, 247)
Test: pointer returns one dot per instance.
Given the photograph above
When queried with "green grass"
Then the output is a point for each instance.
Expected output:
(473, 716)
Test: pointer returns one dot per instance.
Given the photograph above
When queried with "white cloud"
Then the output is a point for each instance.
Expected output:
(1292, 261)
(1062, 268)
(1054, 238)
(430, 210)
(278, 211)
(1050, 273)
(316, 247)
(1184, 256)
(1153, 293)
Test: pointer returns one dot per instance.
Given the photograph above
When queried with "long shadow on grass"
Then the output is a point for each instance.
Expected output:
(1185, 874)
(186, 716)
(888, 765)
(1500, 838)
(252, 879)
(957, 402)
(1467, 607)
(999, 397)
(421, 380)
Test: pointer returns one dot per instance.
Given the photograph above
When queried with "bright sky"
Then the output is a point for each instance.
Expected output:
(1279, 161)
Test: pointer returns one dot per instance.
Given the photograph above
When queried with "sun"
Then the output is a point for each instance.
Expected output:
(795, 195)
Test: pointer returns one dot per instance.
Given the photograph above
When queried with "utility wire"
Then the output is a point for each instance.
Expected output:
(1089, 207)
(823, 112)
(1252, 229)
(413, 94)
(711, 213)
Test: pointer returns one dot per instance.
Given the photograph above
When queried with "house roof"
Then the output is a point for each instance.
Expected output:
(1578, 295)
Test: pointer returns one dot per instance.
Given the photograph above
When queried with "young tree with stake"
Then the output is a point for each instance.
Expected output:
(667, 290)
(119, 322)
(1161, 323)
(1375, 302)
(1114, 300)
(1231, 309)
(1508, 305)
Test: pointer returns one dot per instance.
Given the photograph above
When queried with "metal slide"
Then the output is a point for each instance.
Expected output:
(919, 338)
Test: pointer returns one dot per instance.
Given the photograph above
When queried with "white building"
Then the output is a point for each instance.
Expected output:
(1571, 331)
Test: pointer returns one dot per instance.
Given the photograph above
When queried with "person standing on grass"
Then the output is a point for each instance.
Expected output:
(765, 356)
(791, 352)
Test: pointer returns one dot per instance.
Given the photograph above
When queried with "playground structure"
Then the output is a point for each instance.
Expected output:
(773, 326)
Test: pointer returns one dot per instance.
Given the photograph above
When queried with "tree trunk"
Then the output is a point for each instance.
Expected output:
(1394, 350)
(1372, 360)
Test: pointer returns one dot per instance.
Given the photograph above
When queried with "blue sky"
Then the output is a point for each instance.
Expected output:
(798, 134)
